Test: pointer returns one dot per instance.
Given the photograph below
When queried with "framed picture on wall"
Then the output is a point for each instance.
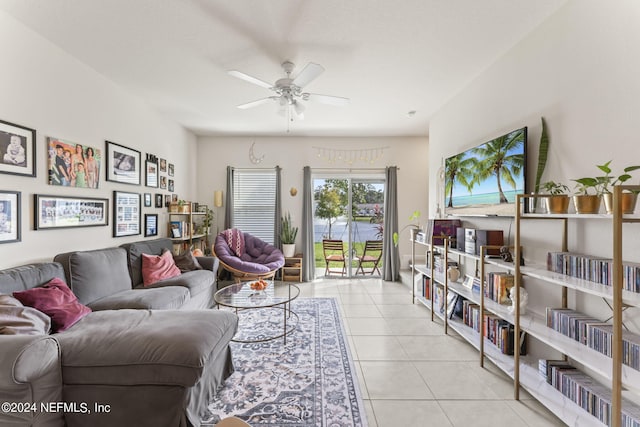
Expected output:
(163, 165)
(10, 211)
(150, 225)
(126, 214)
(171, 170)
(72, 164)
(171, 187)
(167, 200)
(17, 149)
(67, 212)
(151, 168)
(163, 182)
(158, 200)
(123, 164)
(147, 200)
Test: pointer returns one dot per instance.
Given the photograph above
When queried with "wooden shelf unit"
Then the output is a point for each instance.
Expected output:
(292, 269)
(524, 371)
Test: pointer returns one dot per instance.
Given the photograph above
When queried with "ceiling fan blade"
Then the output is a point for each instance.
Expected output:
(326, 99)
(257, 102)
(308, 74)
(250, 79)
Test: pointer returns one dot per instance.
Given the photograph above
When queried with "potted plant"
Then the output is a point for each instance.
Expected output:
(183, 206)
(629, 199)
(585, 202)
(558, 197)
(206, 223)
(414, 227)
(288, 236)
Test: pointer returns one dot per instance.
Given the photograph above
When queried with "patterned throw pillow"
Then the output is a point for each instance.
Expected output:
(235, 240)
(56, 300)
(186, 262)
(156, 268)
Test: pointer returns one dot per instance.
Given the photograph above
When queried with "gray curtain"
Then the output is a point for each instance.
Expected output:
(308, 261)
(277, 241)
(228, 209)
(390, 256)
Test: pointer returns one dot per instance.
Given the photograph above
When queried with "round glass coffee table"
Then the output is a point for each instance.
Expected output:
(277, 295)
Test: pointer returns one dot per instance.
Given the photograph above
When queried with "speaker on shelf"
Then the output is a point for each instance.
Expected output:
(489, 237)
(460, 239)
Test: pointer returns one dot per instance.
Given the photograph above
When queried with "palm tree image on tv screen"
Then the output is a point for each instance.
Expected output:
(485, 180)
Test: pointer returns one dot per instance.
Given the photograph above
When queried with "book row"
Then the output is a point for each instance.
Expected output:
(497, 330)
(498, 286)
(594, 333)
(594, 269)
(587, 393)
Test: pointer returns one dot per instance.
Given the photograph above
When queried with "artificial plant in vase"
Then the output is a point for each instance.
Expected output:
(206, 222)
(543, 150)
(558, 197)
(629, 199)
(414, 227)
(288, 236)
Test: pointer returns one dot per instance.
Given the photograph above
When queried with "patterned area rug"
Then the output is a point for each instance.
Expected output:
(309, 382)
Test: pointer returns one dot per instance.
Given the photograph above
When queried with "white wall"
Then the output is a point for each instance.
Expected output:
(580, 71)
(46, 89)
(293, 153)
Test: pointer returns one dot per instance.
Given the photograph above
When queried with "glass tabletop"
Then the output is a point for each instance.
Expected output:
(240, 295)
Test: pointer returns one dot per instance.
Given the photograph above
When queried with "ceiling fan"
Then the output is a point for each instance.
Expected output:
(288, 90)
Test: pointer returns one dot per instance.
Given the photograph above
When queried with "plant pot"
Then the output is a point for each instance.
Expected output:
(629, 201)
(289, 250)
(587, 204)
(173, 208)
(184, 208)
(558, 204)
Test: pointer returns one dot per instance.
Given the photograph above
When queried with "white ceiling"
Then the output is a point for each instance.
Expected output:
(388, 57)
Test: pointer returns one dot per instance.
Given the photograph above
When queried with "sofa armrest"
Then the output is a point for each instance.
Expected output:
(210, 263)
(30, 372)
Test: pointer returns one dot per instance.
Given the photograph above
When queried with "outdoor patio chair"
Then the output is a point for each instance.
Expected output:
(371, 255)
(333, 251)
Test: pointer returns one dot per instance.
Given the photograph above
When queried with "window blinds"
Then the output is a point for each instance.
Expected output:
(254, 202)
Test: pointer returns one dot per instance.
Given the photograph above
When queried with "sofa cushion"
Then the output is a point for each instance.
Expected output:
(56, 300)
(158, 267)
(186, 262)
(135, 251)
(29, 276)
(16, 319)
(194, 281)
(172, 346)
(172, 297)
(95, 274)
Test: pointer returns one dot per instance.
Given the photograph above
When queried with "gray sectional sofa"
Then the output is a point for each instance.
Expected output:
(146, 354)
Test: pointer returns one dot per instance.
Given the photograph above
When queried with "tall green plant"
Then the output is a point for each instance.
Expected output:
(289, 232)
(543, 149)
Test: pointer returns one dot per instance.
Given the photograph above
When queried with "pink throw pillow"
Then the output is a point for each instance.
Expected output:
(56, 300)
(235, 241)
(156, 268)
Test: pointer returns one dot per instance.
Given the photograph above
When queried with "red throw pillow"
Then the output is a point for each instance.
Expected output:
(156, 268)
(235, 241)
(56, 300)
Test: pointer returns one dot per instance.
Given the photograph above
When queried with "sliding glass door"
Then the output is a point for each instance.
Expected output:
(348, 209)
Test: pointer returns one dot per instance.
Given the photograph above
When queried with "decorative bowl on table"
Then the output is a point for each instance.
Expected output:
(259, 285)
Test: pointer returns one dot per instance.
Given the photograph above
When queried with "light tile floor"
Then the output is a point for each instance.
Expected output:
(411, 373)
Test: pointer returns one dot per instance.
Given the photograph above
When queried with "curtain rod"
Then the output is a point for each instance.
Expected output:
(255, 169)
(349, 169)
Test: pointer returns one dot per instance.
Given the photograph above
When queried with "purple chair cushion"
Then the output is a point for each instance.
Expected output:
(259, 256)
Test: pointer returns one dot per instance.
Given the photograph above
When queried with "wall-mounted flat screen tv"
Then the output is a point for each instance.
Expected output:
(484, 180)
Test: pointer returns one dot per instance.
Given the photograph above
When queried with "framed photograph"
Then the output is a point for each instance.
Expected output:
(17, 149)
(72, 164)
(147, 200)
(163, 182)
(9, 216)
(176, 229)
(163, 165)
(202, 208)
(171, 187)
(151, 168)
(150, 225)
(123, 164)
(126, 214)
(171, 171)
(158, 200)
(66, 212)
(167, 200)
(174, 198)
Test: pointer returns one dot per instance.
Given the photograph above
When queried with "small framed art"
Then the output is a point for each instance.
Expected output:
(158, 200)
(150, 225)
(10, 211)
(126, 214)
(123, 164)
(67, 212)
(147, 200)
(151, 169)
(17, 149)
(163, 165)
(171, 169)
(171, 187)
